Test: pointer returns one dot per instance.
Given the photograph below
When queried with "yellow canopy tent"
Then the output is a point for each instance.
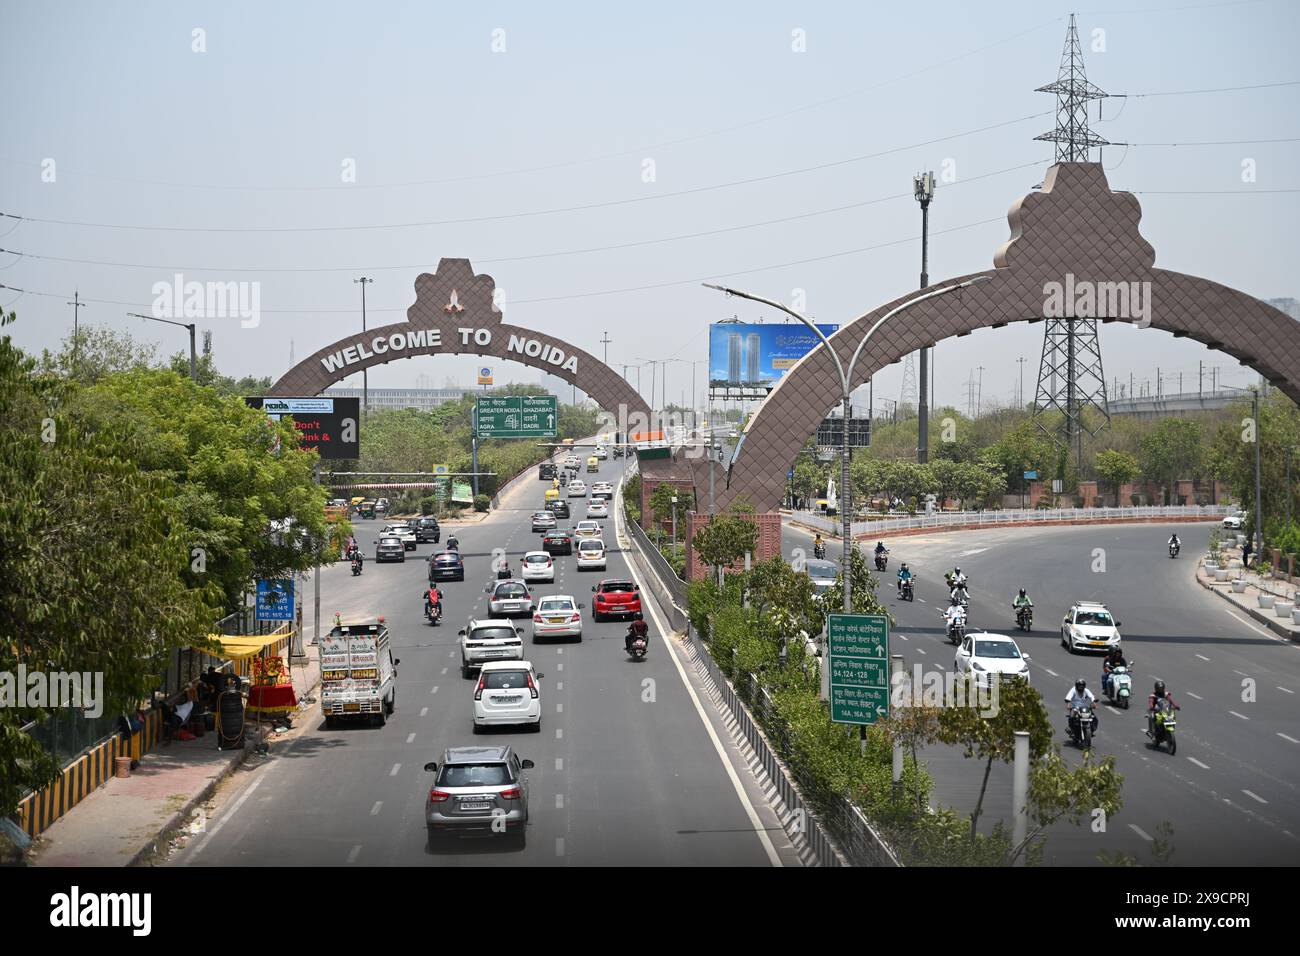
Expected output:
(240, 646)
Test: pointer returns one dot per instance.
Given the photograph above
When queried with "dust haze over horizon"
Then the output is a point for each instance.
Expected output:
(475, 132)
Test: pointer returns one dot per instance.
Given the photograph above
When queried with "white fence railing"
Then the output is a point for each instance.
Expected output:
(968, 519)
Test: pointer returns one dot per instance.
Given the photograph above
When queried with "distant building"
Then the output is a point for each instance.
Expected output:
(752, 349)
(424, 399)
(1290, 306)
(734, 350)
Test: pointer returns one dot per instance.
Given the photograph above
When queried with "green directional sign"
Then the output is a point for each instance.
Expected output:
(859, 667)
(518, 416)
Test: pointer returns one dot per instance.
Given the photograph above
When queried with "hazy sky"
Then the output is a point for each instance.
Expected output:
(256, 132)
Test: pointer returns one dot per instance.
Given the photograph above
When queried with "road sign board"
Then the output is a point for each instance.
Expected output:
(518, 416)
(485, 376)
(859, 667)
(1031, 475)
(275, 600)
(441, 471)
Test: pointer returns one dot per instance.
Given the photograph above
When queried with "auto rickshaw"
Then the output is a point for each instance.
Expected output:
(593, 465)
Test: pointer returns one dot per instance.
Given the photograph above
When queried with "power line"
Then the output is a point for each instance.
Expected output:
(605, 204)
(519, 258)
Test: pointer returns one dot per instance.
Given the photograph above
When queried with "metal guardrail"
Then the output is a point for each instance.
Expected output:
(837, 835)
(978, 519)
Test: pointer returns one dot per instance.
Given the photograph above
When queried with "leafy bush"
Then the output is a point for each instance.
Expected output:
(482, 502)
(428, 504)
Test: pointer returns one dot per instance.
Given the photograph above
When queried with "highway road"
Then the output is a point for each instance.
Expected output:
(1232, 791)
(629, 770)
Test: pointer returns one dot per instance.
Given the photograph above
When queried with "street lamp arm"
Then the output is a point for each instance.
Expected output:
(839, 366)
(154, 318)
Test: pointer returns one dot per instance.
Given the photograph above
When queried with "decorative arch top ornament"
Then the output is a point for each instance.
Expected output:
(1075, 250)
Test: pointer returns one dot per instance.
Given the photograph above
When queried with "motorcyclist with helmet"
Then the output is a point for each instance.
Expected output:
(1114, 658)
(1159, 699)
(433, 601)
(1019, 602)
(904, 574)
(637, 628)
(819, 547)
(1080, 697)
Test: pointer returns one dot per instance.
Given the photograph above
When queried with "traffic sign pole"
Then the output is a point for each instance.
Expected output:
(859, 668)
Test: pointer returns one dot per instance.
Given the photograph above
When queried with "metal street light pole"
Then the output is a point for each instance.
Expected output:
(923, 190)
(183, 325)
(846, 398)
(1259, 508)
(365, 378)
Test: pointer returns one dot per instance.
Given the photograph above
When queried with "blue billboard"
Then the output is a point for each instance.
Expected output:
(755, 354)
(275, 600)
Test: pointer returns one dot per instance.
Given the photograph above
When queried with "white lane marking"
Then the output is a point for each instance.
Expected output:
(559, 685)
(559, 846)
(356, 851)
(559, 801)
(967, 554)
(559, 708)
(1241, 673)
(559, 667)
(920, 650)
(1203, 766)
(1255, 796)
(559, 763)
(374, 811)
(1235, 714)
(1285, 737)
(435, 689)
(923, 600)
(444, 670)
(759, 830)
(559, 650)
(1203, 657)
(396, 768)
(1140, 832)
(423, 711)
(1257, 630)
(1190, 694)
(1112, 709)
(559, 733)
(1285, 691)
(1052, 672)
(904, 637)
(410, 737)
(229, 813)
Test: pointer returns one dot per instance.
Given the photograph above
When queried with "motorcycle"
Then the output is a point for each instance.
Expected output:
(819, 552)
(1025, 617)
(1173, 551)
(1119, 686)
(906, 592)
(1082, 726)
(453, 543)
(956, 630)
(1160, 727)
(638, 648)
(882, 560)
(356, 566)
(433, 613)
(503, 572)
(962, 595)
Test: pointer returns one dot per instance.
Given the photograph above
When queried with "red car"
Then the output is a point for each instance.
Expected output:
(615, 598)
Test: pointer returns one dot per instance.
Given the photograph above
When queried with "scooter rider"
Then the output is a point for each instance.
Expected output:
(1079, 697)
(903, 575)
(819, 547)
(1114, 658)
(634, 630)
(453, 544)
(1174, 542)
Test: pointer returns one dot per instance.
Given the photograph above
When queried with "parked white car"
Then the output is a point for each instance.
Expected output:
(597, 509)
(538, 566)
(591, 554)
(558, 615)
(508, 693)
(983, 654)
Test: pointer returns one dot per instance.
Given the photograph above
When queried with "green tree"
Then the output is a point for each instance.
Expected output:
(1172, 451)
(728, 537)
(1057, 792)
(990, 738)
(93, 577)
(1116, 468)
(1232, 455)
(95, 351)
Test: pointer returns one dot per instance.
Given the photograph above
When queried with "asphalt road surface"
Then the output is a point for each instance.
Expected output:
(629, 771)
(1232, 791)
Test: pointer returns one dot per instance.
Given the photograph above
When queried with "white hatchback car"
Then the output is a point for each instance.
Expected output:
(577, 489)
(538, 566)
(1089, 626)
(983, 654)
(508, 693)
(1233, 521)
(591, 554)
(597, 509)
(558, 615)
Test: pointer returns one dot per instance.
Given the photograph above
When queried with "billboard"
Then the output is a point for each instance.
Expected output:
(743, 354)
(330, 425)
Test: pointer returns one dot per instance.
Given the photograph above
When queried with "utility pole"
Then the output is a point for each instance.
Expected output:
(606, 340)
(979, 400)
(1020, 389)
(77, 306)
(365, 378)
(923, 190)
(1200, 379)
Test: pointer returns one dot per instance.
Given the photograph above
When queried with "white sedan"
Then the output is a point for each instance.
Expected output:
(538, 566)
(1233, 521)
(591, 554)
(597, 509)
(508, 692)
(983, 654)
(558, 615)
(577, 489)
(587, 529)
(400, 530)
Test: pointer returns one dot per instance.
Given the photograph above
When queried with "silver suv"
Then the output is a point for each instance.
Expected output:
(489, 640)
(510, 599)
(483, 789)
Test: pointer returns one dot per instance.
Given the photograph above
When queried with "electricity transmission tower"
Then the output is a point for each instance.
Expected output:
(1070, 375)
(907, 400)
